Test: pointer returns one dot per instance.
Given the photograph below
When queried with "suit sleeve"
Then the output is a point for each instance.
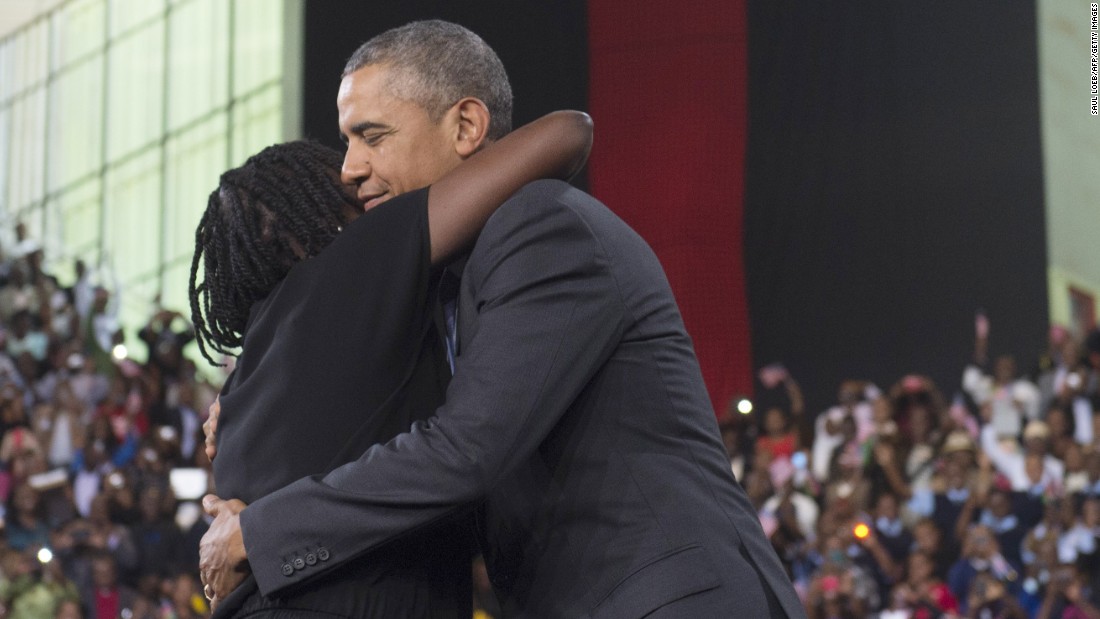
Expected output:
(548, 315)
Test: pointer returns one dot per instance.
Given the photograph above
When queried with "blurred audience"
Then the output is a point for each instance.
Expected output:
(899, 503)
(93, 444)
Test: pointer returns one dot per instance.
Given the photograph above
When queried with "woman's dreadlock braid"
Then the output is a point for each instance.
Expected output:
(285, 204)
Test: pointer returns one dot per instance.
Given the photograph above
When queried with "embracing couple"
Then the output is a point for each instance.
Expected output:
(574, 446)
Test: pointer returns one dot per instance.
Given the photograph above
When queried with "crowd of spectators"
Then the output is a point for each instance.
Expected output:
(890, 504)
(902, 504)
(100, 456)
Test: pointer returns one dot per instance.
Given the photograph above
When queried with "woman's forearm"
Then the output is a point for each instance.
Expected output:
(554, 146)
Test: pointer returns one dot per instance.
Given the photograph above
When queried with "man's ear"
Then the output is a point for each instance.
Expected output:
(471, 125)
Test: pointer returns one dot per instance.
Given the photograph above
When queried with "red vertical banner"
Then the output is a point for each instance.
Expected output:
(668, 94)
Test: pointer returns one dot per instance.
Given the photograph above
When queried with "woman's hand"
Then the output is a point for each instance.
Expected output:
(210, 428)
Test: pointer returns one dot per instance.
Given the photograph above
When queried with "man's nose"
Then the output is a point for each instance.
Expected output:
(356, 168)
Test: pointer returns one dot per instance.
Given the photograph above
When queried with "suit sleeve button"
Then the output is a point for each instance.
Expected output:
(311, 559)
(322, 554)
(288, 569)
(299, 563)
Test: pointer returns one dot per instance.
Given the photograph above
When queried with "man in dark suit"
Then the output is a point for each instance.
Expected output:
(577, 413)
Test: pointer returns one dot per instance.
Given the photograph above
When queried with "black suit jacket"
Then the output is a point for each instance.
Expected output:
(578, 412)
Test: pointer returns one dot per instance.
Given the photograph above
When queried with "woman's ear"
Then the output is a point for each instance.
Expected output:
(472, 125)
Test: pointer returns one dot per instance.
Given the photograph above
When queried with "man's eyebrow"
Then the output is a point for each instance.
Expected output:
(360, 128)
(366, 125)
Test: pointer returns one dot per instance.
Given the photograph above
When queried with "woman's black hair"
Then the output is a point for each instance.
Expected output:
(285, 204)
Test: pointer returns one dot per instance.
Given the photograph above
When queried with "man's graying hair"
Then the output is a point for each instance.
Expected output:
(436, 63)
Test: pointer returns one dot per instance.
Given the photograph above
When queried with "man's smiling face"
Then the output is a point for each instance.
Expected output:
(393, 144)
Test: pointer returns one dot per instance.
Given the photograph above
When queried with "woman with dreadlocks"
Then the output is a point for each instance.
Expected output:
(337, 319)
